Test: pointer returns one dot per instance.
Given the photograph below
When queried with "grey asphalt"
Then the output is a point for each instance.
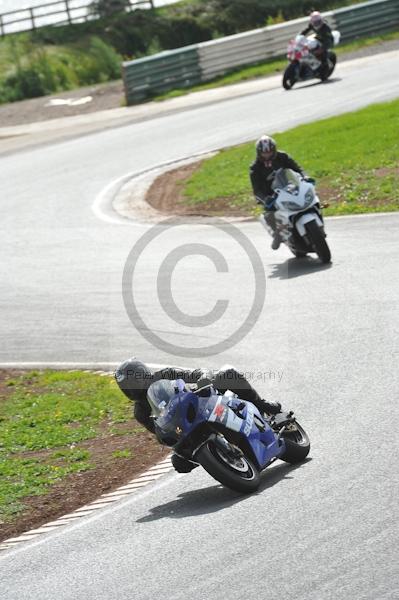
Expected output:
(325, 344)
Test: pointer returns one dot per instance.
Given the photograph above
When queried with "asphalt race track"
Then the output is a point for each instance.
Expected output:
(324, 343)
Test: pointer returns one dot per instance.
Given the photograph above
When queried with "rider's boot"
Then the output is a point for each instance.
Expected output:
(276, 241)
(270, 408)
(271, 221)
(182, 465)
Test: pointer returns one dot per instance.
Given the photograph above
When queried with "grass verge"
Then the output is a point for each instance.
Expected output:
(272, 67)
(55, 426)
(354, 158)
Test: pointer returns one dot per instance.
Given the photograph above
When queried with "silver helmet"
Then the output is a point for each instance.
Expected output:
(316, 20)
(266, 148)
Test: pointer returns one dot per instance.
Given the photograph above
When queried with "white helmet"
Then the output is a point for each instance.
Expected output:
(316, 20)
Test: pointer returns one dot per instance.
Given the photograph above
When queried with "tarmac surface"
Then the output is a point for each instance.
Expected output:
(324, 343)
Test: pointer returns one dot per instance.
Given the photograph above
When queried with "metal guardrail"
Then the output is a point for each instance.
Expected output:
(161, 72)
(207, 60)
(58, 12)
(219, 56)
(368, 18)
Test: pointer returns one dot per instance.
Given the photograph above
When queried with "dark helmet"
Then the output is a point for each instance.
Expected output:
(132, 376)
(316, 20)
(266, 148)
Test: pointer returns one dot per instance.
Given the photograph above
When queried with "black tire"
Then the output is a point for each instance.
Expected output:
(243, 478)
(332, 57)
(289, 77)
(297, 444)
(317, 240)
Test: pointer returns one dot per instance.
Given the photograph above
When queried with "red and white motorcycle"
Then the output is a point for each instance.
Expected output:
(304, 56)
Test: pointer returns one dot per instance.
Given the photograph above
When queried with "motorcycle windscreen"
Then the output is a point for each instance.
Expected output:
(159, 395)
(165, 398)
(286, 179)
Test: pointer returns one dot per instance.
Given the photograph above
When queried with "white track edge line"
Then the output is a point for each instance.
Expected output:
(152, 474)
(103, 501)
(142, 480)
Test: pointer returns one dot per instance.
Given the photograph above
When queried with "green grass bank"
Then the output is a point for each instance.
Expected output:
(54, 425)
(354, 158)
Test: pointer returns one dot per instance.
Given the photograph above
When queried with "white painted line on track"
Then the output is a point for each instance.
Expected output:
(102, 205)
(102, 502)
(17, 548)
(100, 368)
(63, 365)
(119, 493)
(144, 479)
(362, 216)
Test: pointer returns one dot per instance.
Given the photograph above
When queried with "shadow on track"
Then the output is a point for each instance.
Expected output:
(212, 499)
(302, 85)
(296, 267)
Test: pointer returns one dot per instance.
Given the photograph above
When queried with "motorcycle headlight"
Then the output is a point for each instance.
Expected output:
(309, 196)
(293, 206)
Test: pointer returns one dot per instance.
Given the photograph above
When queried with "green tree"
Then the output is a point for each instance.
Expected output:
(107, 8)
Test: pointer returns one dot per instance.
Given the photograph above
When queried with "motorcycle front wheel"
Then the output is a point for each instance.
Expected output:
(297, 444)
(290, 76)
(237, 473)
(318, 241)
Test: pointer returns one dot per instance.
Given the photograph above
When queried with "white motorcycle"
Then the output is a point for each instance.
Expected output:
(298, 215)
(304, 56)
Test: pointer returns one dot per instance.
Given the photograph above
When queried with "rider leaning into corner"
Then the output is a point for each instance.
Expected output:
(134, 378)
(262, 172)
(323, 33)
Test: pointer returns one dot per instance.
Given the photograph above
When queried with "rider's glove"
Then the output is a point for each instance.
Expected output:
(269, 202)
(309, 179)
(204, 383)
(270, 407)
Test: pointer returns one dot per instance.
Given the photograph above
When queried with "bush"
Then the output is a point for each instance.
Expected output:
(59, 58)
(183, 31)
(108, 61)
(38, 71)
(107, 8)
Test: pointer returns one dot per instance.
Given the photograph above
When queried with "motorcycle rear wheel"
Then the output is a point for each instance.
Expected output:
(297, 444)
(318, 241)
(238, 474)
(332, 57)
(289, 77)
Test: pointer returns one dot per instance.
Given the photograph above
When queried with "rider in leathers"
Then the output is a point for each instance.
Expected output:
(262, 172)
(134, 378)
(323, 34)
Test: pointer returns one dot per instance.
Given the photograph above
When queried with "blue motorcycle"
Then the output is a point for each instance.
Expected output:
(227, 436)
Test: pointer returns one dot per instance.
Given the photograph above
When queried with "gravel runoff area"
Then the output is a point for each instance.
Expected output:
(107, 96)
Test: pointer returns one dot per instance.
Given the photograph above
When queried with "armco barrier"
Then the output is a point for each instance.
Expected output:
(219, 56)
(368, 18)
(161, 72)
(202, 62)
